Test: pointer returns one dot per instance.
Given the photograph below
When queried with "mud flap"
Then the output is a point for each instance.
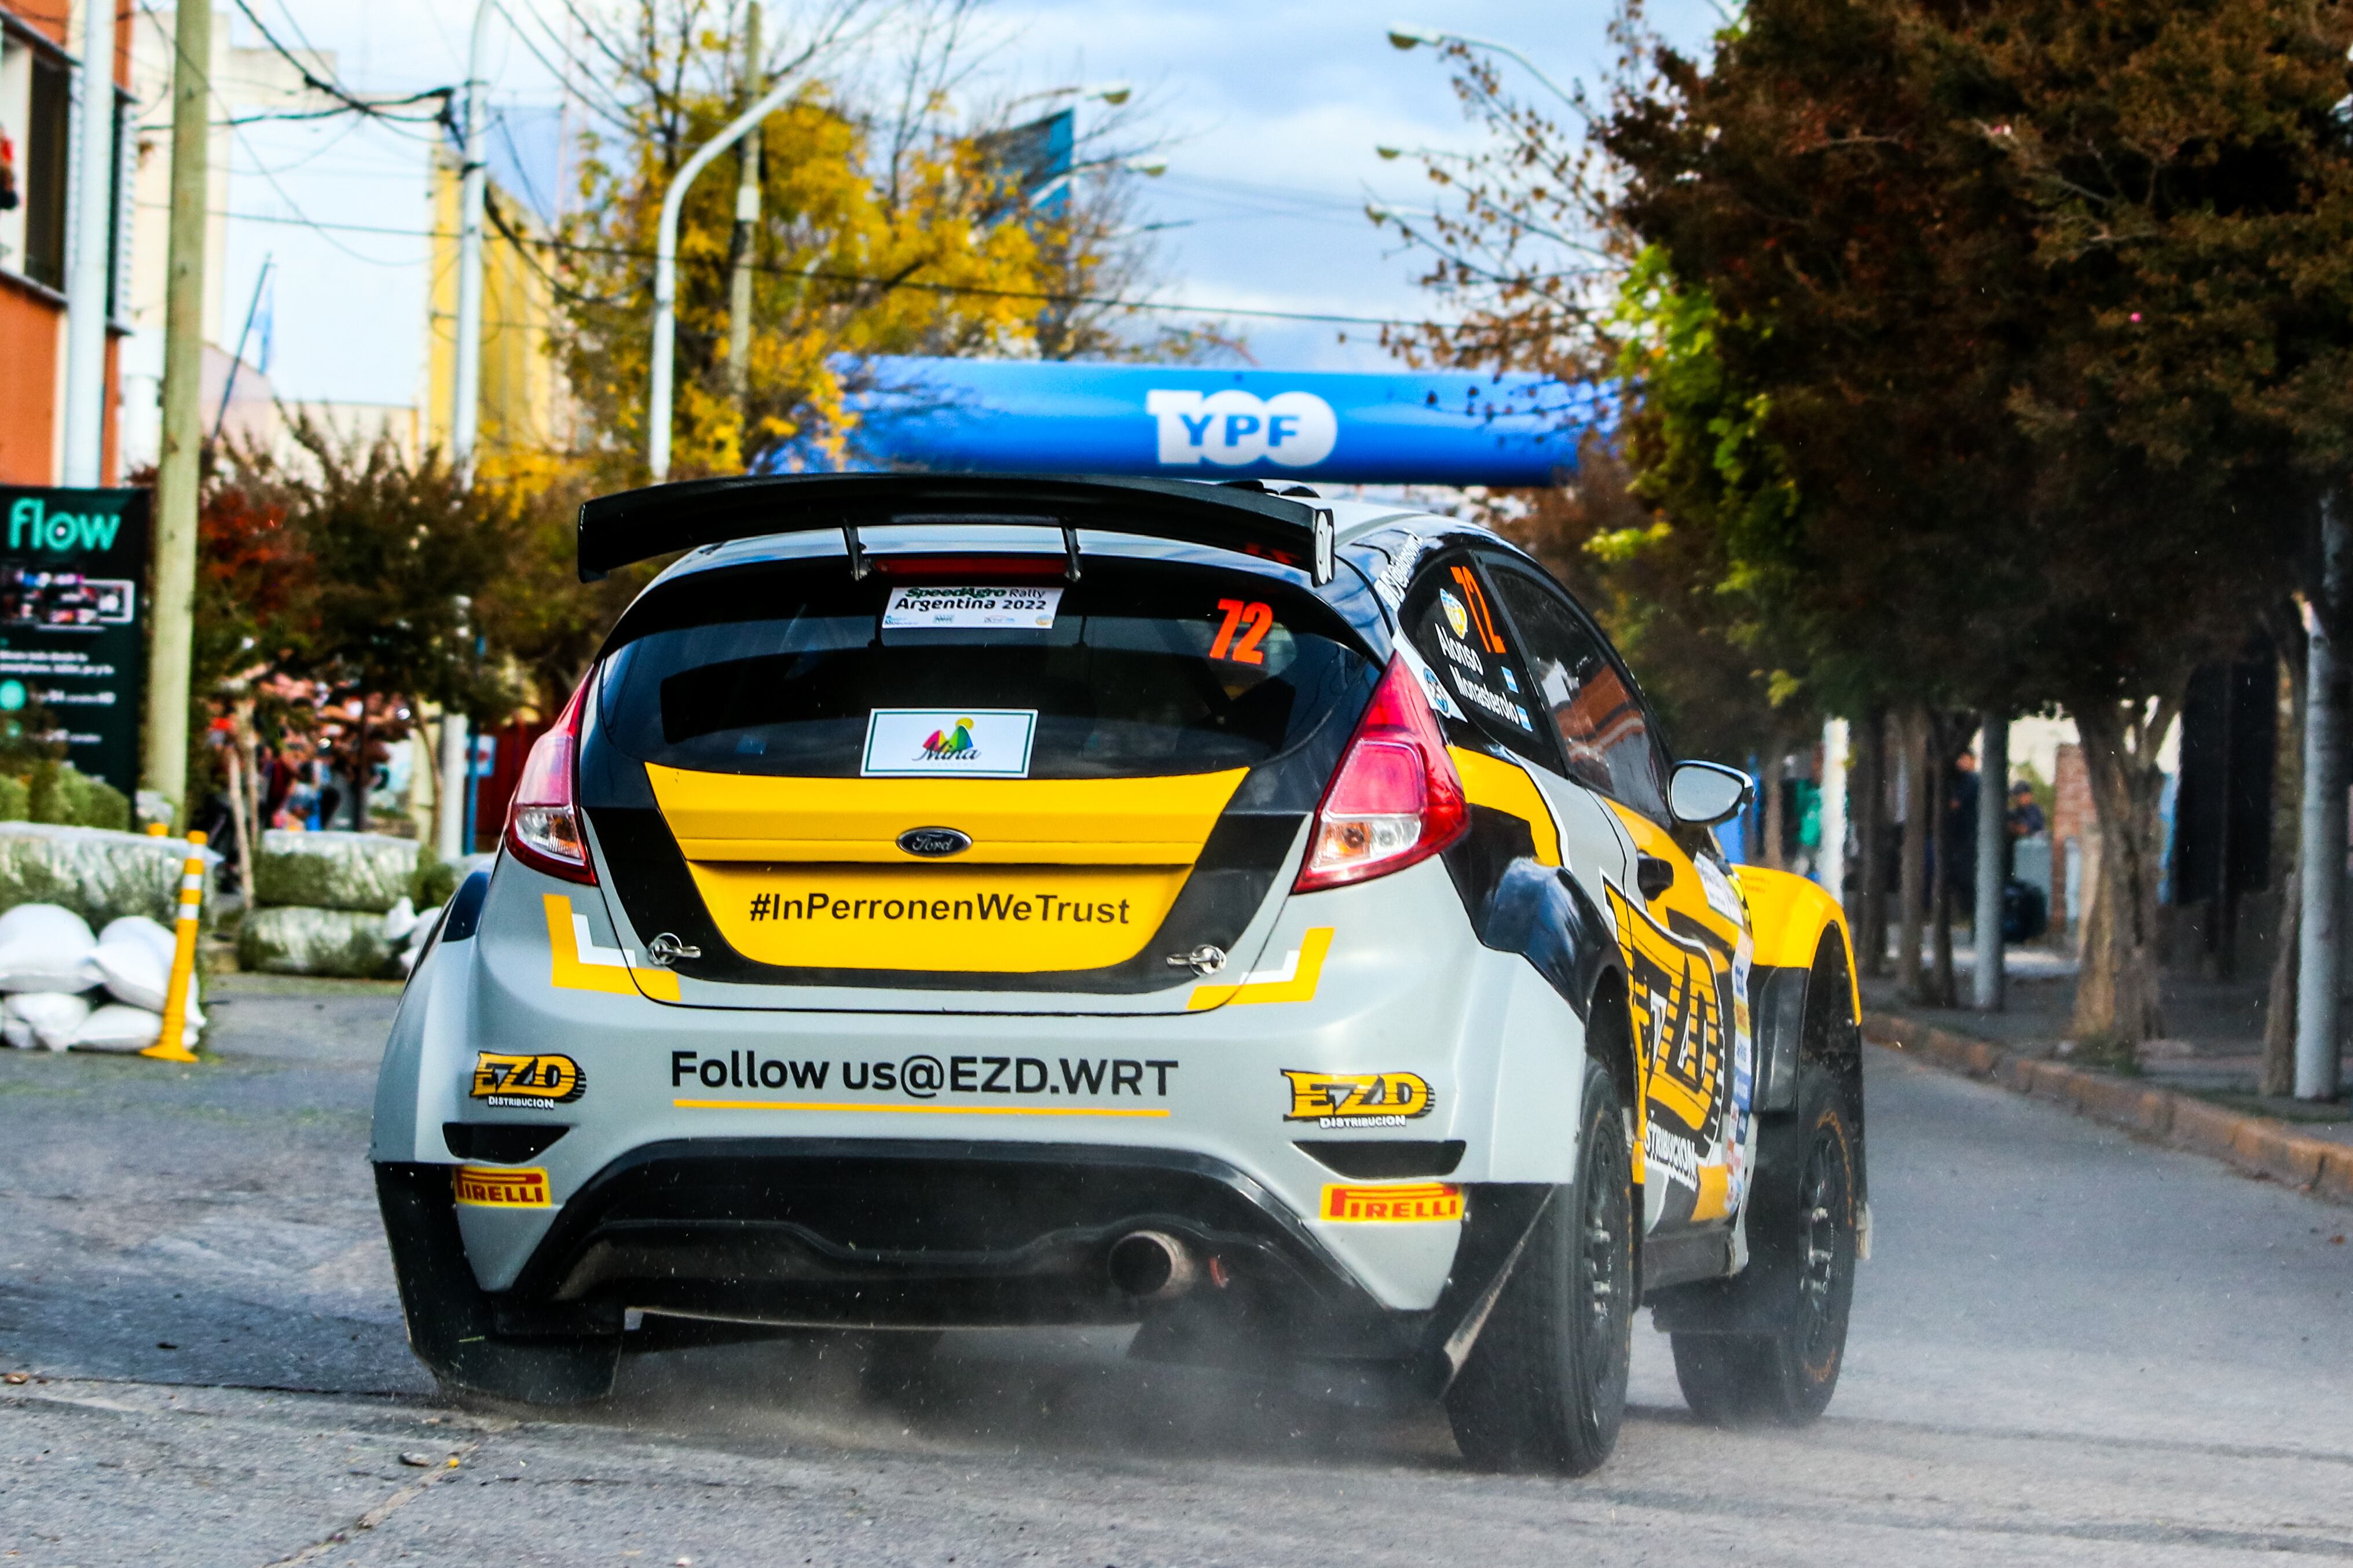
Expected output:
(453, 1323)
(1494, 1233)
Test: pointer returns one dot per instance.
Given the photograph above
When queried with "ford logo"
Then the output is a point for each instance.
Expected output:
(935, 842)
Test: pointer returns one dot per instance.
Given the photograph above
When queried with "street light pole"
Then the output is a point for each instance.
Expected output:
(659, 391)
(1405, 36)
(84, 404)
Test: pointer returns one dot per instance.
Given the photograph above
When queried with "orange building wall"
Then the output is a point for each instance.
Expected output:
(29, 387)
(29, 340)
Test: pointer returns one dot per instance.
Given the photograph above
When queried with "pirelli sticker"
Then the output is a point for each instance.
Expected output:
(497, 1187)
(1418, 1203)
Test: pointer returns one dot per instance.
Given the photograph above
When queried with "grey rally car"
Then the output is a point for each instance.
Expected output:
(1272, 922)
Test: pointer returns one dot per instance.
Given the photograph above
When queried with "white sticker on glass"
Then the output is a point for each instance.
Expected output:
(1026, 609)
(957, 743)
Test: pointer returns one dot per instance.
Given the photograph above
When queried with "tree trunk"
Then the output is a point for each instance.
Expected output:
(1775, 819)
(2278, 1075)
(360, 772)
(1871, 840)
(1940, 990)
(2116, 1000)
(1912, 874)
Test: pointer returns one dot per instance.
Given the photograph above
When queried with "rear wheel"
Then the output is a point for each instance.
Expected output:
(1544, 1386)
(1801, 1238)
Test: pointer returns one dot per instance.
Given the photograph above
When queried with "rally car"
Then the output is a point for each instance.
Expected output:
(1276, 922)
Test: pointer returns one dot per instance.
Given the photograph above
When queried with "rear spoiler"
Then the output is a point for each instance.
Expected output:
(637, 525)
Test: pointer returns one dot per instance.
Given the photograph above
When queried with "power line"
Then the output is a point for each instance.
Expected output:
(982, 291)
(376, 109)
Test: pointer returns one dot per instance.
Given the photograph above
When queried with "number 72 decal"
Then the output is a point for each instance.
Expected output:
(1255, 620)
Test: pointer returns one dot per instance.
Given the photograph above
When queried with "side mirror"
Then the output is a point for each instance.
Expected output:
(1702, 795)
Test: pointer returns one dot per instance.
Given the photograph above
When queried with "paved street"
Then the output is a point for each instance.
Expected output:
(2070, 1348)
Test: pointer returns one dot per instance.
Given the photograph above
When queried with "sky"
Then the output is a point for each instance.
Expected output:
(1267, 113)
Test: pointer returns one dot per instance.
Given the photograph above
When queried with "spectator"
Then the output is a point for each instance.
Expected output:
(2024, 821)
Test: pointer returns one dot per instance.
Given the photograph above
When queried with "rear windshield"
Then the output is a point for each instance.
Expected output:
(1142, 668)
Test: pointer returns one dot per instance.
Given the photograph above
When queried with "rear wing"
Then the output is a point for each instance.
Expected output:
(637, 525)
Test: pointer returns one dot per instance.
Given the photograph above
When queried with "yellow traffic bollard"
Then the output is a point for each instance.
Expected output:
(168, 1046)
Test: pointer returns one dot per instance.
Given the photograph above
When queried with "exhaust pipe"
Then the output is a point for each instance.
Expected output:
(1151, 1266)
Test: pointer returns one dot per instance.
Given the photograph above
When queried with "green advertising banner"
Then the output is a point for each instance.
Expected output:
(73, 620)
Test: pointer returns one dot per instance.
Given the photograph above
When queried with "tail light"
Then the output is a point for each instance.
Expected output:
(1395, 799)
(543, 828)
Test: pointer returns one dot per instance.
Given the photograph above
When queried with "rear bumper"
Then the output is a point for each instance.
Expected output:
(879, 1234)
(858, 1233)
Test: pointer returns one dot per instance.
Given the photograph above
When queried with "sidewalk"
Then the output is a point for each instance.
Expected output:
(2213, 1047)
(2195, 1089)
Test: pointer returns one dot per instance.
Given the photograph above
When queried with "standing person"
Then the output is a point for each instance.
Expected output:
(2024, 820)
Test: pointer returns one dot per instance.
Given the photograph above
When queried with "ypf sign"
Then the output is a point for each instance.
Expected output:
(73, 567)
(1234, 428)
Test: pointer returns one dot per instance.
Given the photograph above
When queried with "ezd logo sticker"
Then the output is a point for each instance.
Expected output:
(967, 742)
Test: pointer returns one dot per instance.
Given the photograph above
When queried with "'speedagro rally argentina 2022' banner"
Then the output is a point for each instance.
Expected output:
(1430, 427)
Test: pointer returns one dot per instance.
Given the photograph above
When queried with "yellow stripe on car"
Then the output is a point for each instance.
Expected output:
(577, 963)
(1506, 786)
(1295, 981)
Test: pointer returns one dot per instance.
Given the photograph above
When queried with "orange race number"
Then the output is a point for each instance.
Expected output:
(1254, 619)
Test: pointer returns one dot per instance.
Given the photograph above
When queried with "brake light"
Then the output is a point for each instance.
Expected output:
(1395, 799)
(543, 828)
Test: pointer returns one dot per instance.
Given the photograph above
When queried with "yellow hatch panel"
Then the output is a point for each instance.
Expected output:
(737, 817)
(1002, 920)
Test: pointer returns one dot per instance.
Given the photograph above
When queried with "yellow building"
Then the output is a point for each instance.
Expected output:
(525, 403)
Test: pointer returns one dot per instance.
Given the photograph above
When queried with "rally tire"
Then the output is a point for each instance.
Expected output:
(1544, 1388)
(1802, 1247)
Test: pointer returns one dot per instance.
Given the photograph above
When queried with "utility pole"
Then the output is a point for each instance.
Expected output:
(85, 405)
(2321, 854)
(659, 390)
(1986, 981)
(163, 761)
(451, 838)
(747, 219)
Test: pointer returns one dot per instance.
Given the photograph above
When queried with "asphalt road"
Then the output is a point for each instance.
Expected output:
(2070, 1348)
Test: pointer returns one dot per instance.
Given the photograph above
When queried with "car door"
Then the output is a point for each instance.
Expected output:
(1682, 926)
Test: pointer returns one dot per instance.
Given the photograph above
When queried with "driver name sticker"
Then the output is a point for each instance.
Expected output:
(965, 743)
(997, 609)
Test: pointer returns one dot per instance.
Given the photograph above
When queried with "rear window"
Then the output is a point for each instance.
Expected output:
(1141, 669)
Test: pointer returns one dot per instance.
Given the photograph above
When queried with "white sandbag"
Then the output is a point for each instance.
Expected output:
(139, 928)
(419, 934)
(17, 1033)
(53, 1016)
(399, 919)
(120, 1027)
(134, 971)
(46, 947)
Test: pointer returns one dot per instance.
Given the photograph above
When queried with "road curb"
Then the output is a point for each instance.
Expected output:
(2254, 1144)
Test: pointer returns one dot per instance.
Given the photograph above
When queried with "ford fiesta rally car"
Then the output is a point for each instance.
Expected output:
(957, 902)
